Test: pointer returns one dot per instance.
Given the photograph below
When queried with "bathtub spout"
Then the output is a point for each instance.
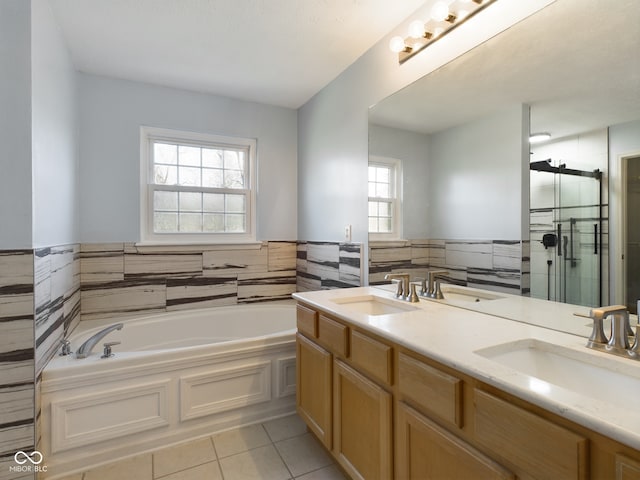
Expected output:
(85, 349)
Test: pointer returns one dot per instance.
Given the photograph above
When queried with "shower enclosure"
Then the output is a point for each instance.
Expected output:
(568, 233)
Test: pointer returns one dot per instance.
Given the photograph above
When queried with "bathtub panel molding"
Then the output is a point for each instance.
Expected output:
(17, 356)
(210, 387)
(327, 265)
(96, 417)
(218, 391)
(498, 265)
(127, 279)
(285, 376)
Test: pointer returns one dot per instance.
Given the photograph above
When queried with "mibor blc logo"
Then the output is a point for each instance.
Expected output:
(28, 462)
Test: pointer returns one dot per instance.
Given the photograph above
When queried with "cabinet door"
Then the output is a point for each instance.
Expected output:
(313, 388)
(425, 451)
(362, 425)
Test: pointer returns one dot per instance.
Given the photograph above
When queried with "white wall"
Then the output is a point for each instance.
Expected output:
(54, 128)
(332, 126)
(15, 124)
(475, 178)
(412, 149)
(624, 139)
(111, 112)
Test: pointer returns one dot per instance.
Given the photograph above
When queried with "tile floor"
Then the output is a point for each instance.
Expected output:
(280, 449)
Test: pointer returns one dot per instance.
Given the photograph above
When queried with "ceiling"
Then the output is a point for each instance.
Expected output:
(278, 52)
(576, 62)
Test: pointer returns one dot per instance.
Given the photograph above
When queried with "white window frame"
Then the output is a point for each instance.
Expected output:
(147, 235)
(396, 198)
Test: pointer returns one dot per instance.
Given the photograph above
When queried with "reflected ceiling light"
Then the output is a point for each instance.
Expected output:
(445, 16)
(539, 137)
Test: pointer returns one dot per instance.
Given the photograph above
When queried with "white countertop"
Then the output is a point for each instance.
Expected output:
(452, 335)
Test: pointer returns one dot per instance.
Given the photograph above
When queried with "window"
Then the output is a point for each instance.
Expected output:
(196, 188)
(384, 198)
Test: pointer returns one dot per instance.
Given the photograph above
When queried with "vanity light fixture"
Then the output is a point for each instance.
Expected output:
(539, 137)
(445, 15)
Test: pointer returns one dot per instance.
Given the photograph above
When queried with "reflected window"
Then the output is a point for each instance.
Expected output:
(384, 198)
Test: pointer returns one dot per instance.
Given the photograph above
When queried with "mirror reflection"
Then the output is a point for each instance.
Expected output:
(466, 192)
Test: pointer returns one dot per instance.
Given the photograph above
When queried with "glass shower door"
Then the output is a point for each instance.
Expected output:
(579, 239)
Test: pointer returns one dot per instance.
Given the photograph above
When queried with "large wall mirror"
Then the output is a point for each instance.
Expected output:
(553, 220)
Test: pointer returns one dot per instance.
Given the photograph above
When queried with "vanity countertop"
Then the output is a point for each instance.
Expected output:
(453, 336)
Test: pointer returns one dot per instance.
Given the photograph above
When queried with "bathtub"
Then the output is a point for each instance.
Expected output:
(174, 377)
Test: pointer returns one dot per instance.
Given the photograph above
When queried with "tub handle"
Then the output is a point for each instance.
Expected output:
(107, 349)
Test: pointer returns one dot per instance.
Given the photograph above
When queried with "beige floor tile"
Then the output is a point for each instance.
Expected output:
(262, 463)
(285, 427)
(77, 476)
(327, 473)
(303, 454)
(136, 467)
(207, 471)
(240, 440)
(181, 457)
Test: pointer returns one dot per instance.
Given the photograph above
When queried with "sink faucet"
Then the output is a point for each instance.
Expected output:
(618, 344)
(433, 287)
(402, 279)
(85, 349)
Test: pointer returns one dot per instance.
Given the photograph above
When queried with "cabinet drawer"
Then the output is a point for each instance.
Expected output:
(334, 335)
(372, 356)
(436, 392)
(534, 446)
(307, 320)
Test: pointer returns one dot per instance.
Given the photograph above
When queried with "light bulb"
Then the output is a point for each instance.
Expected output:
(439, 11)
(438, 31)
(416, 29)
(396, 44)
(462, 14)
(539, 137)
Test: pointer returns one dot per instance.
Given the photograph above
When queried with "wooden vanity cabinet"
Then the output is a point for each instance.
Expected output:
(386, 412)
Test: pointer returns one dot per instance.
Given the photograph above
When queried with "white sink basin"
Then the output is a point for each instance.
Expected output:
(460, 294)
(606, 379)
(373, 305)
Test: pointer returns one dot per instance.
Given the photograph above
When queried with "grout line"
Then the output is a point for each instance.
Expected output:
(283, 460)
(215, 451)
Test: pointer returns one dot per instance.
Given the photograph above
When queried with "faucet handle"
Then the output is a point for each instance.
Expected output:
(65, 349)
(107, 349)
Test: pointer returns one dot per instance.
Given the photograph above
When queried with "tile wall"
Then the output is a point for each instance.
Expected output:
(17, 361)
(499, 265)
(326, 265)
(122, 279)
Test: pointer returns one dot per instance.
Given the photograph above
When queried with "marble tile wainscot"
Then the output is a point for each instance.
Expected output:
(125, 280)
(17, 362)
(500, 265)
(327, 265)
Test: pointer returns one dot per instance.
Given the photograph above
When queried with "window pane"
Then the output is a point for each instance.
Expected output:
(213, 202)
(373, 224)
(384, 225)
(235, 203)
(190, 202)
(233, 179)
(382, 190)
(165, 222)
(189, 176)
(165, 153)
(213, 223)
(165, 201)
(384, 209)
(232, 160)
(189, 156)
(383, 175)
(372, 190)
(211, 158)
(212, 178)
(372, 174)
(373, 209)
(235, 223)
(165, 175)
(190, 222)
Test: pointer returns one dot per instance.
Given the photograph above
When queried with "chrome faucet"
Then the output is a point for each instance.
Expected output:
(618, 344)
(85, 349)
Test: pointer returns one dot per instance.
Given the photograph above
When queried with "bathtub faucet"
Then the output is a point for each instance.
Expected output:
(85, 349)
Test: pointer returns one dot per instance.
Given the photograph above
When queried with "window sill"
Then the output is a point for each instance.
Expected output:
(168, 247)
